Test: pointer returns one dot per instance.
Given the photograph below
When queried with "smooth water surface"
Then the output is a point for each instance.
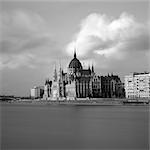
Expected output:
(74, 127)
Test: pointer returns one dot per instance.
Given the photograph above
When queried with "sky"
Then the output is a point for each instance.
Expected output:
(35, 35)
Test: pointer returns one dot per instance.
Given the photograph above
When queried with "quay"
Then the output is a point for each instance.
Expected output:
(80, 102)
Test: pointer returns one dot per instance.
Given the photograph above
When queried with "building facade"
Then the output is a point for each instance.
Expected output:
(79, 82)
(137, 85)
(112, 87)
(37, 92)
(47, 89)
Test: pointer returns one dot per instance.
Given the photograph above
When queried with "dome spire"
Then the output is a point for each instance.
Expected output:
(75, 63)
(75, 53)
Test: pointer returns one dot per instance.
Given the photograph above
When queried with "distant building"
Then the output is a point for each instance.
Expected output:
(37, 92)
(137, 85)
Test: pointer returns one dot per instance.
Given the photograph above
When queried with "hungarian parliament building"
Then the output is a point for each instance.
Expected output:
(78, 83)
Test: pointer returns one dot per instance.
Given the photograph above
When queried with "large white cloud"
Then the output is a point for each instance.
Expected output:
(108, 36)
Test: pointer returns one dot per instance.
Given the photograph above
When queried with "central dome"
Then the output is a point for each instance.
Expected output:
(75, 63)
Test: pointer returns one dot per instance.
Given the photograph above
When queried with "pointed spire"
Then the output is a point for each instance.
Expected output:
(89, 67)
(60, 63)
(46, 82)
(60, 70)
(75, 53)
(92, 68)
(112, 74)
(55, 74)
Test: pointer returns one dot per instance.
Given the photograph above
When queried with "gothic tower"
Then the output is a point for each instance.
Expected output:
(60, 83)
(55, 86)
(55, 75)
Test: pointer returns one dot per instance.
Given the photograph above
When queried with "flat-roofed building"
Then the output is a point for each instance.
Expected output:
(37, 92)
(137, 85)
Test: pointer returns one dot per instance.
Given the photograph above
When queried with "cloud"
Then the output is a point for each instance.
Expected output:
(26, 40)
(107, 39)
(14, 61)
(106, 34)
(23, 23)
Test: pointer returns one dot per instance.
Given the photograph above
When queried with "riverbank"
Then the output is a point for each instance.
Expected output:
(83, 102)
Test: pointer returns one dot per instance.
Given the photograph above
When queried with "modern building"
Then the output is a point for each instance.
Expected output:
(137, 85)
(37, 92)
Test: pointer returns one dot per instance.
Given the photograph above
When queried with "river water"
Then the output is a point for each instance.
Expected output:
(41, 127)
